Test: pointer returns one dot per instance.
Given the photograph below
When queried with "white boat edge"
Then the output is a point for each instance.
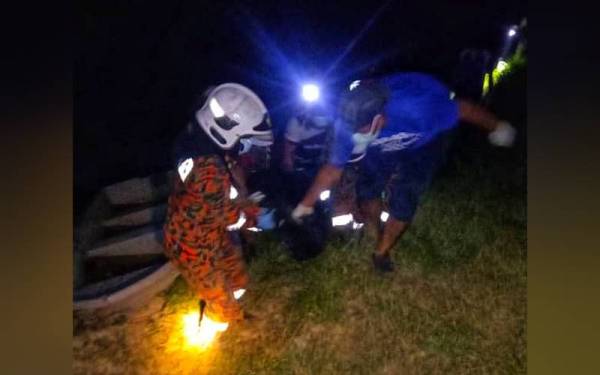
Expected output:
(134, 294)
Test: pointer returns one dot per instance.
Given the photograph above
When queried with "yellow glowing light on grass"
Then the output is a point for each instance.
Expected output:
(201, 337)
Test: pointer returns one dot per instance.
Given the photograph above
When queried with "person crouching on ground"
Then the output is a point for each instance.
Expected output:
(203, 208)
(397, 123)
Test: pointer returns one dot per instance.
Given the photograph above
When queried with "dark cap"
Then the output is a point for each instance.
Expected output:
(360, 104)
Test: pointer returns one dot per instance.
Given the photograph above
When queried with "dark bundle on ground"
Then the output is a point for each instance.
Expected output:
(283, 192)
(306, 240)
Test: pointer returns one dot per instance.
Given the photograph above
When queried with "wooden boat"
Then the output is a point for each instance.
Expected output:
(118, 254)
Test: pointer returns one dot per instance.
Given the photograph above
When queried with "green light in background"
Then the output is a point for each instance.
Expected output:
(501, 68)
(486, 84)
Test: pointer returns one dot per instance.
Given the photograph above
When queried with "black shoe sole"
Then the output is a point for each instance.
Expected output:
(380, 266)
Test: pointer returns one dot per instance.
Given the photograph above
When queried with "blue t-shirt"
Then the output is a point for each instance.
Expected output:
(419, 108)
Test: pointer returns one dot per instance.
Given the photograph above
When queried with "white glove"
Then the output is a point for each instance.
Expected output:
(504, 135)
(301, 211)
(257, 196)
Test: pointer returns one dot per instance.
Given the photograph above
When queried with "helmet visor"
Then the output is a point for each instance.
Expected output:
(264, 125)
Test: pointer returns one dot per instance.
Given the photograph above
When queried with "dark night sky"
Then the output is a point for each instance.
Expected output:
(139, 64)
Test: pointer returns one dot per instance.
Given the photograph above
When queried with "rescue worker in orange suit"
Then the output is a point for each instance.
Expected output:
(205, 207)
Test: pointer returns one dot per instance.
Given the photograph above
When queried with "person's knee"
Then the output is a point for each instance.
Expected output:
(369, 203)
(396, 223)
(369, 208)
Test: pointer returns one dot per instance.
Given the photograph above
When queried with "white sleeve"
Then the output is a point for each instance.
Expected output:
(294, 131)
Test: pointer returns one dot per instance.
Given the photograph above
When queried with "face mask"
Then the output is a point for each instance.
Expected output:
(362, 141)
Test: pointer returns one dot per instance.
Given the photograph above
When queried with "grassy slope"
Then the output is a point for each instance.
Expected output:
(457, 303)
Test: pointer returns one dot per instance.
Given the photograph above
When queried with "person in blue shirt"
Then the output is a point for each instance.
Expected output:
(394, 127)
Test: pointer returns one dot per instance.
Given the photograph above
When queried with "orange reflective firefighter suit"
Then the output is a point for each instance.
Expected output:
(196, 239)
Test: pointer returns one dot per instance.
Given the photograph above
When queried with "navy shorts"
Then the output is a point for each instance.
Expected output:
(403, 175)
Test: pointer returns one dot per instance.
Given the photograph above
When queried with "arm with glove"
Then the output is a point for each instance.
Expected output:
(500, 133)
(341, 150)
(248, 205)
(328, 176)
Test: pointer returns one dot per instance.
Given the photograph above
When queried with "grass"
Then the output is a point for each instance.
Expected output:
(456, 305)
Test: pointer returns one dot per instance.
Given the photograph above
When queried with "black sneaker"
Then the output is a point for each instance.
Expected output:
(383, 263)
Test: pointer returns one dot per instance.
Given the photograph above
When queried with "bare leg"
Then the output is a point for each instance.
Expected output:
(392, 231)
(371, 210)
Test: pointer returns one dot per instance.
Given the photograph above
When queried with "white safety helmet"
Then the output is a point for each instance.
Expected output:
(231, 112)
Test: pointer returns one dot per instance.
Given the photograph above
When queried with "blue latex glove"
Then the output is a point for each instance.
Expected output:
(266, 219)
